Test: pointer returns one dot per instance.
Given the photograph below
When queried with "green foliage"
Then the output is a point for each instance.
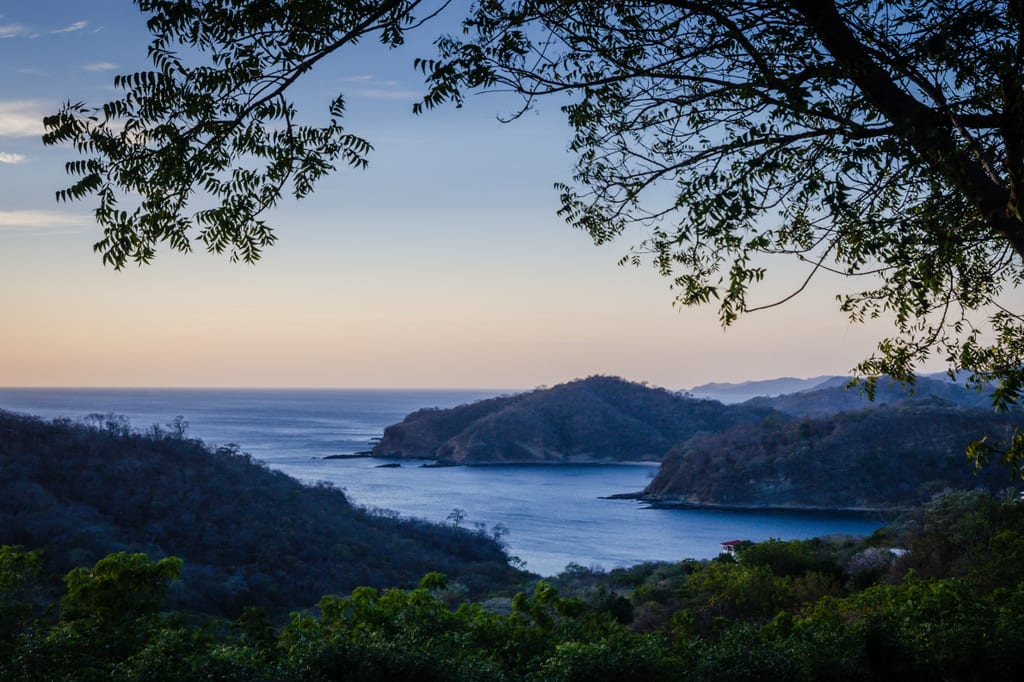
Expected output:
(737, 590)
(17, 568)
(396, 635)
(915, 630)
(108, 613)
(810, 567)
(434, 581)
(19, 572)
(120, 587)
(965, 535)
(726, 620)
(619, 657)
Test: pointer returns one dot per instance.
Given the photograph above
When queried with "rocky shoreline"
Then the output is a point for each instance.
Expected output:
(353, 455)
(662, 503)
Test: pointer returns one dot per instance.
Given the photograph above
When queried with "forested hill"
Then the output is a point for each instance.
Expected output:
(595, 419)
(880, 458)
(248, 535)
(833, 396)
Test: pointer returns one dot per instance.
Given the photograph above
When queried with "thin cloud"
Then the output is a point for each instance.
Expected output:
(370, 81)
(384, 93)
(373, 88)
(8, 157)
(22, 118)
(100, 66)
(77, 26)
(13, 30)
(30, 219)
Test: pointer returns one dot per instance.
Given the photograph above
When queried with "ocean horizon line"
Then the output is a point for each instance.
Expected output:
(404, 389)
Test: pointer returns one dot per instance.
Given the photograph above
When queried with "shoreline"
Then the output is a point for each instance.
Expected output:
(432, 463)
(660, 503)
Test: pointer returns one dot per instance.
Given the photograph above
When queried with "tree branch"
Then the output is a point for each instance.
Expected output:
(926, 130)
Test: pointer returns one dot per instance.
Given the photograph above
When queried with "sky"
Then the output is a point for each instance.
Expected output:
(443, 265)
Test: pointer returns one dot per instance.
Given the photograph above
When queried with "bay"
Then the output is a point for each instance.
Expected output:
(549, 516)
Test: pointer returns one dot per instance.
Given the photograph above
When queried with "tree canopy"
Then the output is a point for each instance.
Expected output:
(876, 139)
(839, 609)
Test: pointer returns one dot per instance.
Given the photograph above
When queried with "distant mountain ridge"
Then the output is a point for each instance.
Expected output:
(589, 420)
(834, 395)
(730, 393)
(829, 394)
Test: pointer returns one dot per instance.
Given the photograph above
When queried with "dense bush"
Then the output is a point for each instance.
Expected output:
(729, 620)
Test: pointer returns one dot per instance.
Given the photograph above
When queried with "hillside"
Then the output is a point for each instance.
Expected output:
(422, 433)
(832, 396)
(248, 535)
(590, 420)
(881, 457)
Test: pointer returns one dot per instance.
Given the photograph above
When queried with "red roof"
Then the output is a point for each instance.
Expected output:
(733, 543)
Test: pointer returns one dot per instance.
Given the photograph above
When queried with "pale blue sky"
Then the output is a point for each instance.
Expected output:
(443, 265)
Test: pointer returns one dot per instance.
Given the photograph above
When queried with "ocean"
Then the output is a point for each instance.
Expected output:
(554, 515)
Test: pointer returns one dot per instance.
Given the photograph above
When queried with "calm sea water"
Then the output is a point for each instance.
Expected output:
(554, 514)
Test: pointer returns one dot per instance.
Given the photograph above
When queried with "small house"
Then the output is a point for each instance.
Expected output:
(730, 546)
